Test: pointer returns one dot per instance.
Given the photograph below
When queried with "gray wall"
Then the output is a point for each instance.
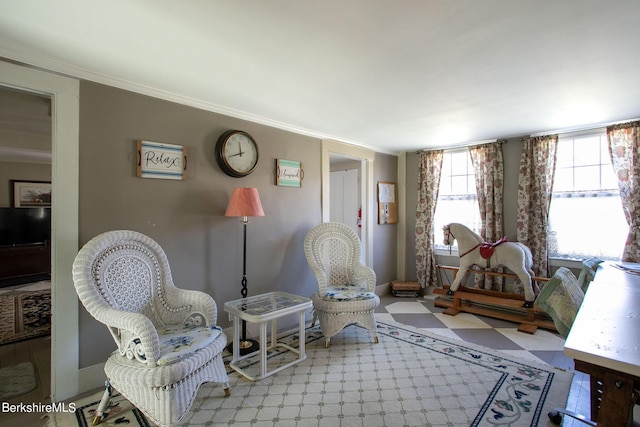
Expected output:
(187, 217)
(384, 236)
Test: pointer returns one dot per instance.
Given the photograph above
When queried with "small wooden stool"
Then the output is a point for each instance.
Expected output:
(405, 289)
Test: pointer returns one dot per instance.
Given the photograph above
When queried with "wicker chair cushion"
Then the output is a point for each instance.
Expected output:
(361, 306)
(347, 293)
(177, 342)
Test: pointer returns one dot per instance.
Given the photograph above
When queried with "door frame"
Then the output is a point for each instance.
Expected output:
(367, 157)
(64, 94)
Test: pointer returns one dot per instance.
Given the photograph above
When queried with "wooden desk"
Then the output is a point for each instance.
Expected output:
(604, 341)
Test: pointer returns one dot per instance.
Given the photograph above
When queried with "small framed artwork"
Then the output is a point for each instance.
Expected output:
(387, 203)
(289, 173)
(163, 161)
(31, 194)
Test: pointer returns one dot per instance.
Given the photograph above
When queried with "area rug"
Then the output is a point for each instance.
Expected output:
(24, 314)
(410, 378)
(81, 413)
(17, 380)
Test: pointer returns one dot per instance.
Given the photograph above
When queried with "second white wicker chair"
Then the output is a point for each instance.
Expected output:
(346, 287)
(167, 338)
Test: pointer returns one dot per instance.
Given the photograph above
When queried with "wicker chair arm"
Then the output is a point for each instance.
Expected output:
(364, 276)
(200, 302)
(137, 327)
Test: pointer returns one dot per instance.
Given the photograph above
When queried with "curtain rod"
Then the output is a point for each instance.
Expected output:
(466, 145)
(554, 132)
(582, 128)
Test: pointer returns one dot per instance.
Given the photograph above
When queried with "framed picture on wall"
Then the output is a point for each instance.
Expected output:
(31, 194)
(161, 161)
(289, 173)
(387, 203)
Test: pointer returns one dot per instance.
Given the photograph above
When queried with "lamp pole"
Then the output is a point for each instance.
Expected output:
(246, 345)
(243, 292)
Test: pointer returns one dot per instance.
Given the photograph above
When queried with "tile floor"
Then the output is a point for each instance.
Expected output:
(544, 346)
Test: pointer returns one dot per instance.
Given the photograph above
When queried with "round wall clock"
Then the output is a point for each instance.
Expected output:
(236, 153)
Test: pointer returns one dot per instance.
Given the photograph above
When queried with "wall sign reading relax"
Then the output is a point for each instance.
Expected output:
(163, 161)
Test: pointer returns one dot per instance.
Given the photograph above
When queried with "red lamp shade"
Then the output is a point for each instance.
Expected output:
(244, 202)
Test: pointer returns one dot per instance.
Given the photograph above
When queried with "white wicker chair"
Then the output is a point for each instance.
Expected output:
(346, 287)
(168, 342)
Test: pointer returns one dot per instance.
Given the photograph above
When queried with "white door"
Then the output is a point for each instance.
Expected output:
(345, 200)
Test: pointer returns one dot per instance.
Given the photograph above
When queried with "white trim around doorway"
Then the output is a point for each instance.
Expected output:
(64, 94)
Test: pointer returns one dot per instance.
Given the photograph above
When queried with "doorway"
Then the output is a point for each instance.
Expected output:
(64, 95)
(25, 239)
(364, 157)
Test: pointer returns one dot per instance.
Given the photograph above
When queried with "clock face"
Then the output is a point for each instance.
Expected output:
(237, 153)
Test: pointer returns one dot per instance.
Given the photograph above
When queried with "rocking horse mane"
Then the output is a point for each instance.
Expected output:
(470, 231)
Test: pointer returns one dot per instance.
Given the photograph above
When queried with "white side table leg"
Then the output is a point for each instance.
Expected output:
(263, 349)
(274, 332)
(236, 339)
(301, 336)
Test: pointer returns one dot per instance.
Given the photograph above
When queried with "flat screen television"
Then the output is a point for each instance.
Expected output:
(24, 226)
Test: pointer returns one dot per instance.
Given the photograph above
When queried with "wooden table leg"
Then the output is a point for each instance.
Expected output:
(617, 400)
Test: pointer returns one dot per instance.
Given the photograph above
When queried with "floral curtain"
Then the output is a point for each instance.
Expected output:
(488, 165)
(535, 184)
(429, 171)
(625, 156)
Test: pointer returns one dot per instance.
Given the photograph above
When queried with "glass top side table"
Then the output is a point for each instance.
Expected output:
(262, 309)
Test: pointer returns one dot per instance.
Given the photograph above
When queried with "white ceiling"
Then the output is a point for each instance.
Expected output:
(391, 75)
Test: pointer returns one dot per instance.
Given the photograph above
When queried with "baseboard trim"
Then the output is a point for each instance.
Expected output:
(91, 378)
(383, 289)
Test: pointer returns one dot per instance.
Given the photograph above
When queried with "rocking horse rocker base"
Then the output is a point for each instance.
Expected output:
(496, 304)
(526, 304)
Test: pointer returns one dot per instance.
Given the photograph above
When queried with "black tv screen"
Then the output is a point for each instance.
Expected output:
(24, 226)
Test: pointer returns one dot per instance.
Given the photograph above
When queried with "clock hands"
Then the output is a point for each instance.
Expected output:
(240, 152)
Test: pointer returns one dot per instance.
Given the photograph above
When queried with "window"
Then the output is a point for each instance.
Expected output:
(585, 215)
(457, 197)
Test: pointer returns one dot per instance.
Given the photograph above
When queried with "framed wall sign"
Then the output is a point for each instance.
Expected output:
(289, 173)
(163, 161)
(387, 203)
(31, 194)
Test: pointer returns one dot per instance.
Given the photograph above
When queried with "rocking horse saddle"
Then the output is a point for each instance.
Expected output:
(487, 249)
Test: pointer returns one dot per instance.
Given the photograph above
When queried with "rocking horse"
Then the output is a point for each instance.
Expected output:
(474, 251)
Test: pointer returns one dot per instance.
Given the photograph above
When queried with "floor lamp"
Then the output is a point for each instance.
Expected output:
(245, 202)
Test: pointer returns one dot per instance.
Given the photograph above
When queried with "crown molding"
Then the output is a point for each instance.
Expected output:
(69, 70)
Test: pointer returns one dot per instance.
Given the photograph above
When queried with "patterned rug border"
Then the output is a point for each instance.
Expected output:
(82, 415)
(82, 418)
(478, 353)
